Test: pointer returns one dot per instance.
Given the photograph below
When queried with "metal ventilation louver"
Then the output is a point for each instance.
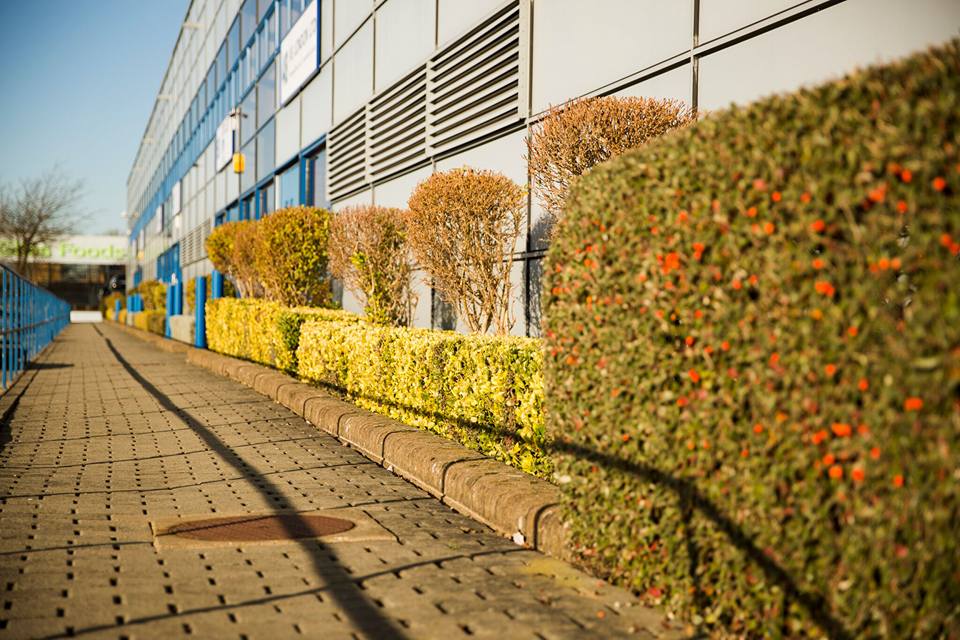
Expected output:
(193, 247)
(397, 126)
(476, 83)
(347, 153)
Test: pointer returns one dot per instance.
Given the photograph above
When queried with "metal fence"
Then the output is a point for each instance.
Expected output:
(30, 318)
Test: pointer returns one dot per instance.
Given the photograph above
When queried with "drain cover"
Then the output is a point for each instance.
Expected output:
(287, 526)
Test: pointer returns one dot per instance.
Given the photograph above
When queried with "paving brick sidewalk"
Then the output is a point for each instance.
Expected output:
(114, 438)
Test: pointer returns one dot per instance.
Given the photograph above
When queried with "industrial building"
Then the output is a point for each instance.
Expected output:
(343, 102)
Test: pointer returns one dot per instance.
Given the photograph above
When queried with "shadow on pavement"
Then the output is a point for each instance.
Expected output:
(366, 616)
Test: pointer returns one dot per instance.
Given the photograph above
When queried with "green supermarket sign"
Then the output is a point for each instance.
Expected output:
(73, 250)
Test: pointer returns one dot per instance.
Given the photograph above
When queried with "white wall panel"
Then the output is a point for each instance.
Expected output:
(720, 17)
(517, 275)
(421, 288)
(823, 46)
(404, 38)
(347, 16)
(457, 16)
(364, 197)
(233, 185)
(288, 131)
(396, 192)
(505, 155)
(221, 182)
(317, 107)
(580, 46)
(676, 84)
(353, 73)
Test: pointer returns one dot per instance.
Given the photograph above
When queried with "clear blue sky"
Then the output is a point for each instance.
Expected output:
(77, 83)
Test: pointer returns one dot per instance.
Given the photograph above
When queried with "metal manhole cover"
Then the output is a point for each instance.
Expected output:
(289, 526)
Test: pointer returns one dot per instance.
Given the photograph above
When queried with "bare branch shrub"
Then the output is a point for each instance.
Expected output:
(463, 227)
(231, 248)
(574, 137)
(38, 211)
(369, 254)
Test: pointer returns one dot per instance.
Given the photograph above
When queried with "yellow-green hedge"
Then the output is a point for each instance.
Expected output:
(122, 319)
(485, 392)
(260, 330)
(152, 320)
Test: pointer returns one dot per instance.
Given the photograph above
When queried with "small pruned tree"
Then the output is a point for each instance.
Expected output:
(37, 211)
(231, 248)
(574, 137)
(291, 256)
(463, 227)
(370, 255)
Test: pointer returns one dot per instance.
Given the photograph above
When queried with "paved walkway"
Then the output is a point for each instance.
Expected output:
(114, 439)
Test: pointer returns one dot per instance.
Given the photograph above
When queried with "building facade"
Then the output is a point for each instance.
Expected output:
(344, 102)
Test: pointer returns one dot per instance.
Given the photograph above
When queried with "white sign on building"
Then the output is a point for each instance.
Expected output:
(223, 149)
(298, 53)
(74, 250)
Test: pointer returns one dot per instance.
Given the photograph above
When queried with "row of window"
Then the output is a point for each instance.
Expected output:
(246, 56)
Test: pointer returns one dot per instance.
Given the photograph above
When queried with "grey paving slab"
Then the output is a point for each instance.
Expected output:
(113, 436)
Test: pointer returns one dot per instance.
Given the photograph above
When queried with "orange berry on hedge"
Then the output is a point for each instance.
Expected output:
(898, 480)
(895, 263)
(758, 428)
(776, 197)
(819, 436)
(830, 369)
(829, 459)
(736, 284)
(939, 183)
(841, 429)
(906, 175)
(902, 206)
(751, 212)
(744, 453)
(875, 453)
(946, 240)
(818, 226)
(694, 375)
(857, 474)
(863, 385)
(836, 472)
(768, 228)
(805, 197)
(913, 404)
(852, 332)
(725, 345)
(818, 263)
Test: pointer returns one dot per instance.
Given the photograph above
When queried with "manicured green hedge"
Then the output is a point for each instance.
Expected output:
(485, 392)
(753, 369)
(152, 320)
(261, 331)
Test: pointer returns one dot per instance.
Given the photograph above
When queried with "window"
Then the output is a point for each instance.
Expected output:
(264, 7)
(290, 186)
(248, 211)
(267, 195)
(315, 176)
(267, 95)
(248, 117)
(221, 64)
(233, 43)
(248, 21)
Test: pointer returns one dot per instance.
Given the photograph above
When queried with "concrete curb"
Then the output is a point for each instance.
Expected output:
(512, 503)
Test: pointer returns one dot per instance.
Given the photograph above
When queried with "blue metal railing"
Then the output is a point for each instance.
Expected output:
(30, 318)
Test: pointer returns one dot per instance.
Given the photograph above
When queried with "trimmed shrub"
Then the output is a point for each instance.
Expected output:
(154, 294)
(369, 254)
(463, 227)
(152, 320)
(485, 392)
(291, 256)
(260, 330)
(753, 361)
(574, 137)
(108, 302)
(122, 318)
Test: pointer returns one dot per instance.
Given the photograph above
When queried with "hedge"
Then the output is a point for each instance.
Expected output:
(260, 330)
(753, 361)
(485, 392)
(152, 320)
